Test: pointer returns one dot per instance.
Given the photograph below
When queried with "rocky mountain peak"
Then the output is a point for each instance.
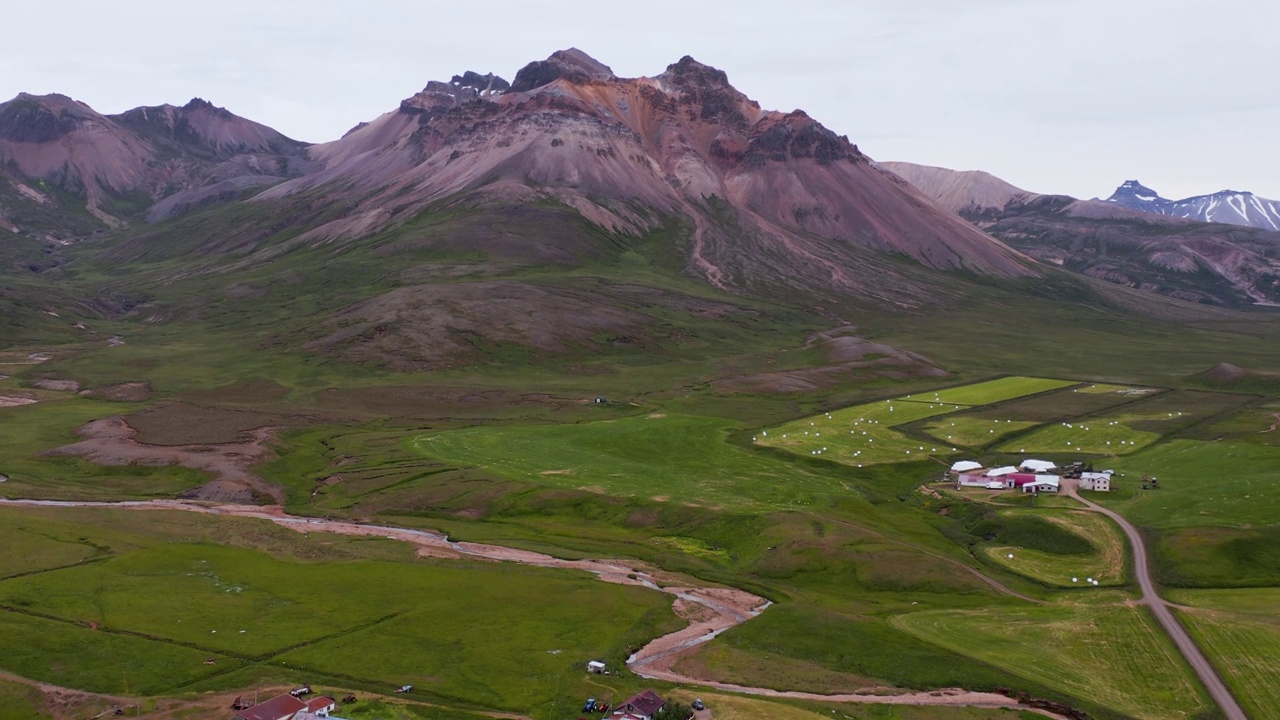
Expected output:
(199, 104)
(40, 118)
(796, 136)
(1232, 207)
(708, 91)
(1134, 190)
(487, 84)
(572, 64)
(687, 72)
(438, 97)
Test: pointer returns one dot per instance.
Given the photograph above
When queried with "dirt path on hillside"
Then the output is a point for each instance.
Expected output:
(1274, 425)
(708, 610)
(65, 703)
(1151, 598)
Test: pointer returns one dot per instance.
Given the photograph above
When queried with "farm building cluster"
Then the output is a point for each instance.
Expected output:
(290, 706)
(1032, 476)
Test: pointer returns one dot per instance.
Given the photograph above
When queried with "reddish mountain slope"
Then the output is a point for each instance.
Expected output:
(1197, 261)
(115, 163)
(771, 198)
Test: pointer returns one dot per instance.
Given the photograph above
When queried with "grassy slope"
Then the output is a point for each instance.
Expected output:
(1105, 561)
(21, 702)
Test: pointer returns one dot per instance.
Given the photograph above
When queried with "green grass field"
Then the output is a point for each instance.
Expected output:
(146, 619)
(21, 702)
(1114, 655)
(992, 391)
(674, 457)
(1225, 483)
(1239, 630)
(972, 431)
(864, 650)
(1105, 563)
(1098, 436)
(33, 546)
(76, 655)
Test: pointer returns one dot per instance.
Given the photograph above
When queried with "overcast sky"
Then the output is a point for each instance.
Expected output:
(1056, 96)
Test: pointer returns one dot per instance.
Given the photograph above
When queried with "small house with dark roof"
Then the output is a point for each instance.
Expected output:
(640, 707)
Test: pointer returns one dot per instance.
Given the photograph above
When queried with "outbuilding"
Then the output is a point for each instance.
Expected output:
(1037, 466)
(964, 466)
(972, 479)
(595, 666)
(1042, 484)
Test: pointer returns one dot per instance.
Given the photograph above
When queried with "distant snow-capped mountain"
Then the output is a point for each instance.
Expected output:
(1229, 206)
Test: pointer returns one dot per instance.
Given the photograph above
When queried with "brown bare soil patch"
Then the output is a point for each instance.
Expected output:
(186, 424)
(252, 392)
(122, 392)
(59, 385)
(15, 401)
(111, 441)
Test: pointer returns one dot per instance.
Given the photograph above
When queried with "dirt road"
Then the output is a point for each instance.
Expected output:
(709, 610)
(1190, 651)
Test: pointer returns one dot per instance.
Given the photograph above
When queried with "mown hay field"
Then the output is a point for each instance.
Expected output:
(1112, 654)
(1240, 633)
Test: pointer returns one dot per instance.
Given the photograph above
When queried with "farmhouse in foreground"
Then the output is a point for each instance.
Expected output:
(642, 706)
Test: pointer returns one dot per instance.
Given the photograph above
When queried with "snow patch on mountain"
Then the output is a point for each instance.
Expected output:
(1232, 207)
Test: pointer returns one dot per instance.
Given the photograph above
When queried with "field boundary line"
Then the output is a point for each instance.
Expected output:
(86, 561)
(129, 633)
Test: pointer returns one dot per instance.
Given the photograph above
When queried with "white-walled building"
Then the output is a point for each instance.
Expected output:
(1096, 481)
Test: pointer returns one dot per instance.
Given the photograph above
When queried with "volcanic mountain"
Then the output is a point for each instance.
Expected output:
(1184, 258)
(1228, 206)
(156, 161)
(767, 198)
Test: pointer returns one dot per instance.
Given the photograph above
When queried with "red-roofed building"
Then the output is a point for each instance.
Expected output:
(281, 707)
(288, 707)
(321, 706)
